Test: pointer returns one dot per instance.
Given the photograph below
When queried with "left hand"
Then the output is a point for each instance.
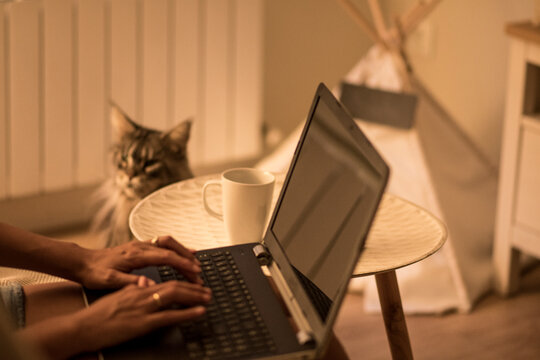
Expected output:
(125, 314)
(111, 267)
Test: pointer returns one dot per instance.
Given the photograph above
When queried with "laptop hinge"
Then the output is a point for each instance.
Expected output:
(262, 255)
(304, 333)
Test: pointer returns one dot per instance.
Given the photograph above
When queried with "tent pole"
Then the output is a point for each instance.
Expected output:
(362, 22)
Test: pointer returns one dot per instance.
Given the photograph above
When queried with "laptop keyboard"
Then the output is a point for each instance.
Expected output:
(232, 326)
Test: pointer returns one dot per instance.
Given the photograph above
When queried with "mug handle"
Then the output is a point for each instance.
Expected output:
(209, 210)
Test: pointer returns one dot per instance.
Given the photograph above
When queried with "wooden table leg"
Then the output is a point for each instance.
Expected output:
(394, 319)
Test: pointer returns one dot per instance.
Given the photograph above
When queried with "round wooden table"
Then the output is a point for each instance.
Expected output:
(402, 234)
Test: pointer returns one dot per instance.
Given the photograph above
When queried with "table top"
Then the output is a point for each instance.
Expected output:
(402, 233)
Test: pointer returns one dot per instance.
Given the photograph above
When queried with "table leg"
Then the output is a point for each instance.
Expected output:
(394, 319)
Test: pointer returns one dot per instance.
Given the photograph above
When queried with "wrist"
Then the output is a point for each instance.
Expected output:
(80, 264)
(72, 261)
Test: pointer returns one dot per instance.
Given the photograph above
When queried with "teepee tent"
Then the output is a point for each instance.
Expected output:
(434, 164)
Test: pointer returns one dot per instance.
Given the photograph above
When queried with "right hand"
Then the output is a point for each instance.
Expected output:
(110, 268)
(132, 311)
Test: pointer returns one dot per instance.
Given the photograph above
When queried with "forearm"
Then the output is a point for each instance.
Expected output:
(57, 338)
(23, 249)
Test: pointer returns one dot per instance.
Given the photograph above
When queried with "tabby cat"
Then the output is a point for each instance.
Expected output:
(144, 160)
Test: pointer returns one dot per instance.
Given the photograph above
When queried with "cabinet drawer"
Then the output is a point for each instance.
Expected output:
(528, 181)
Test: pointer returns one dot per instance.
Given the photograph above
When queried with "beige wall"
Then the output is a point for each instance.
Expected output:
(306, 42)
(464, 63)
(466, 68)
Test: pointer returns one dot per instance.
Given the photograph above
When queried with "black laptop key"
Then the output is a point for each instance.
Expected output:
(232, 326)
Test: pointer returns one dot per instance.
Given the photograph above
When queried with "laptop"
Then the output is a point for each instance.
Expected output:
(280, 298)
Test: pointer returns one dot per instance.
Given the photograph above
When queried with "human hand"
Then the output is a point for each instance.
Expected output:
(125, 314)
(113, 317)
(110, 268)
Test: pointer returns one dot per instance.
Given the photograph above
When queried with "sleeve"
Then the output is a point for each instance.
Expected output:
(12, 301)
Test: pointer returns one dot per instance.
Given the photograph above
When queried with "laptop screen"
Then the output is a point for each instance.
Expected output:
(327, 205)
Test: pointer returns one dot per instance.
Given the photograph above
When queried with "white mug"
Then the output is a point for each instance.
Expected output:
(246, 199)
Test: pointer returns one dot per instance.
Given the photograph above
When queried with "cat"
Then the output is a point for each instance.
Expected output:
(143, 160)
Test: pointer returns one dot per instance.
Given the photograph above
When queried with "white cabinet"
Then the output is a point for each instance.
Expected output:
(518, 208)
(528, 180)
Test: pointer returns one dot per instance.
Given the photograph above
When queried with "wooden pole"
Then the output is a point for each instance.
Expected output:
(362, 22)
(394, 319)
(378, 18)
(411, 22)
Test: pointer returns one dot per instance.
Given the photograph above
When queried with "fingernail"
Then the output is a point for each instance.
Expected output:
(196, 268)
(206, 297)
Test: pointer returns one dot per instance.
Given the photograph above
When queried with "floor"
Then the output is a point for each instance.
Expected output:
(497, 328)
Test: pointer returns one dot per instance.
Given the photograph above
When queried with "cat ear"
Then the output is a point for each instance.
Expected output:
(179, 135)
(121, 123)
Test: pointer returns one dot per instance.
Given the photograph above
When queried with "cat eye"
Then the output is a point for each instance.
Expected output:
(152, 166)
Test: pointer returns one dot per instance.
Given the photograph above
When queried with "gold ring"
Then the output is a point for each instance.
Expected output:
(154, 240)
(157, 299)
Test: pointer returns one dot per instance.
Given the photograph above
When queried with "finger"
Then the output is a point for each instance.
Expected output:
(149, 254)
(172, 317)
(168, 242)
(183, 293)
(157, 256)
(178, 299)
(166, 245)
(118, 279)
(171, 292)
(143, 281)
(179, 284)
(152, 255)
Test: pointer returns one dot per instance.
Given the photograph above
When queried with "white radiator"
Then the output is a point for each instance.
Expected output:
(160, 60)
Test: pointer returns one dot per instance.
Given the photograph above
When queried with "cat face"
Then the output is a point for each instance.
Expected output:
(145, 159)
